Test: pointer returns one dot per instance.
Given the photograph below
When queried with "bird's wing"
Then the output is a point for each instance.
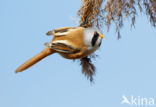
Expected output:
(62, 47)
(61, 31)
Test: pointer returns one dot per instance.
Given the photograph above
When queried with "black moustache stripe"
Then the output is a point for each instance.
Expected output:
(95, 38)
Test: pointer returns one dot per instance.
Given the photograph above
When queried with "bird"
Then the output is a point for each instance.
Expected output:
(70, 42)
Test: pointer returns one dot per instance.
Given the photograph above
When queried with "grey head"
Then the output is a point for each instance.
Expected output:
(92, 38)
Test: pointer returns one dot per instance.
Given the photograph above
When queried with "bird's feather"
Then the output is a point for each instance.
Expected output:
(61, 31)
(62, 47)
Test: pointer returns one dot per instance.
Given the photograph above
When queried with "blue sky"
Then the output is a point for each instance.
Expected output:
(124, 67)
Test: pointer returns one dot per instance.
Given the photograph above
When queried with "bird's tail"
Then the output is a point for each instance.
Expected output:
(44, 53)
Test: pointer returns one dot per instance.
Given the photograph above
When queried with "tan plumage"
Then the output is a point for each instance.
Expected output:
(69, 42)
(35, 59)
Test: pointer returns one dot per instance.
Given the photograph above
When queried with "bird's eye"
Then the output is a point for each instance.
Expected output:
(95, 38)
(96, 34)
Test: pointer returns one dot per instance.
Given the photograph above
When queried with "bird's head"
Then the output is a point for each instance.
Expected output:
(92, 38)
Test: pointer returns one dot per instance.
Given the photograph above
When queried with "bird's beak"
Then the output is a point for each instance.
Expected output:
(101, 36)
